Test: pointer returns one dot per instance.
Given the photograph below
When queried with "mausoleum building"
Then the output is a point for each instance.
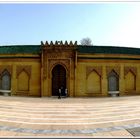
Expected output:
(85, 71)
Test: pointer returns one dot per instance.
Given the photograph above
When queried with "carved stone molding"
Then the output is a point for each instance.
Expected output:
(53, 62)
(6, 67)
(44, 66)
(115, 68)
(58, 45)
(54, 55)
(50, 57)
(127, 69)
(26, 68)
(89, 69)
(59, 55)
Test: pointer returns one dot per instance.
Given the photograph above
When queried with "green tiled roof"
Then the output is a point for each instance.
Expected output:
(108, 50)
(36, 49)
(24, 49)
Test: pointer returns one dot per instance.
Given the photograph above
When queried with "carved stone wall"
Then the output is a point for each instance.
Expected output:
(26, 68)
(58, 44)
(57, 53)
(89, 69)
(44, 66)
(60, 54)
(127, 69)
(63, 62)
(6, 67)
(115, 68)
(24, 85)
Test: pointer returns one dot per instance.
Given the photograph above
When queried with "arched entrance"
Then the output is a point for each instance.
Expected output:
(58, 79)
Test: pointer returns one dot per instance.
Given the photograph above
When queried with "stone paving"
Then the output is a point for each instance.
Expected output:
(135, 131)
(70, 117)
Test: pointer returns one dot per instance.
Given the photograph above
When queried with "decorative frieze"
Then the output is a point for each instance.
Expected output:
(115, 68)
(132, 69)
(89, 69)
(58, 46)
(59, 43)
(6, 67)
(59, 55)
(26, 68)
(57, 52)
(54, 62)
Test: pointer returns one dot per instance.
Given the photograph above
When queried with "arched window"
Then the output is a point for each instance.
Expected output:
(5, 80)
(113, 81)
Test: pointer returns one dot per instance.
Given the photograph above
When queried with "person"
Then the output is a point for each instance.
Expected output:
(59, 93)
(66, 92)
(62, 91)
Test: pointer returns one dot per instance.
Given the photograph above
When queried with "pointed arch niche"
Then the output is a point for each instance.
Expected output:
(130, 81)
(113, 81)
(5, 80)
(93, 83)
(23, 81)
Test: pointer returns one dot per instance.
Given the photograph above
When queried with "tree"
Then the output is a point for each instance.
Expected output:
(86, 41)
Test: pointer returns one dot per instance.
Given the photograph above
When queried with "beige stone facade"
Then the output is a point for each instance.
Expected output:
(83, 73)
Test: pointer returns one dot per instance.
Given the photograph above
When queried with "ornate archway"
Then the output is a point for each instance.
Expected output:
(58, 79)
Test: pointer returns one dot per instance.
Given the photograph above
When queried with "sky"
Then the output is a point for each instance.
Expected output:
(105, 23)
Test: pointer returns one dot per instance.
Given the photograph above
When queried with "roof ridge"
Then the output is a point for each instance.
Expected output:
(105, 46)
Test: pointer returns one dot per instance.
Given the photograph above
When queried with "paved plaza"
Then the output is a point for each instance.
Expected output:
(70, 117)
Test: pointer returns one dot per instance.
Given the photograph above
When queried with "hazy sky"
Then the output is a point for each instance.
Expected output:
(105, 23)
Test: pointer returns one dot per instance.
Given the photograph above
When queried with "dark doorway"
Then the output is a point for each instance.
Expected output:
(58, 80)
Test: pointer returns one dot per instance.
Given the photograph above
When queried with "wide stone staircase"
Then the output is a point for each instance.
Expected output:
(68, 117)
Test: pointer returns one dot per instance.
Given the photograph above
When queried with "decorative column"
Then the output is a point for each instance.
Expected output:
(13, 81)
(75, 74)
(41, 77)
(121, 80)
(104, 82)
(138, 80)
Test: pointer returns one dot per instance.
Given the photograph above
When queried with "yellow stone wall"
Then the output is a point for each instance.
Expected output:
(87, 74)
(93, 79)
(25, 74)
(129, 82)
